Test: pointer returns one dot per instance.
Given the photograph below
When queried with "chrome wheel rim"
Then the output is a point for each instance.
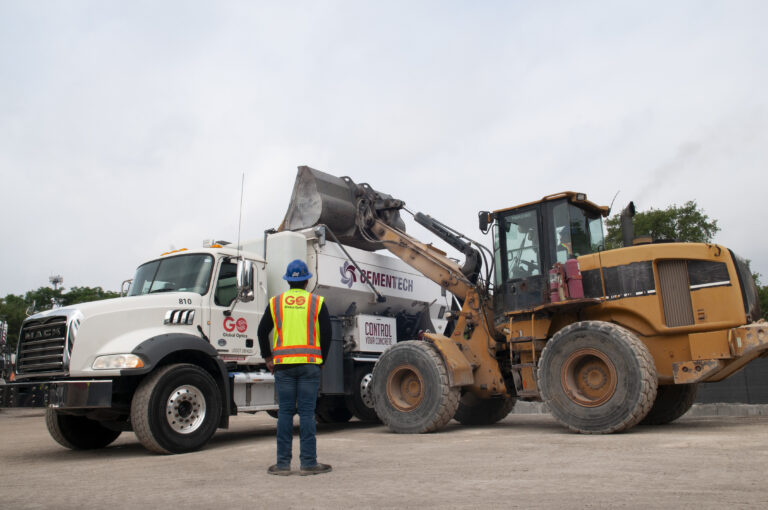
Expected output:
(185, 409)
(365, 391)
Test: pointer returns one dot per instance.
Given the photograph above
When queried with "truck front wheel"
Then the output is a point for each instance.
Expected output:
(597, 377)
(176, 409)
(411, 390)
(78, 432)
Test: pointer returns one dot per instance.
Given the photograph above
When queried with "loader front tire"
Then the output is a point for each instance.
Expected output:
(78, 432)
(597, 377)
(176, 409)
(411, 390)
(672, 401)
(474, 410)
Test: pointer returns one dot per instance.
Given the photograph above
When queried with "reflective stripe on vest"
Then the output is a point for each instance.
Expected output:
(295, 318)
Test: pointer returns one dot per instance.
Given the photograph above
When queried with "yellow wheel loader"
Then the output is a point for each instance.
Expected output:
(607, 338)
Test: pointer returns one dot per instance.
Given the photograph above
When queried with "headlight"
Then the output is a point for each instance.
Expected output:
(117, 361)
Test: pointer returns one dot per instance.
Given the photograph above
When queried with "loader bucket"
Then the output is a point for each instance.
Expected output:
(320, 198)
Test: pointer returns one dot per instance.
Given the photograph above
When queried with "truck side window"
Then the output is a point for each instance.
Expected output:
(226, 284)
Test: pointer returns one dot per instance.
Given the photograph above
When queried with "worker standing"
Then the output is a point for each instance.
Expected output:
(302, 335)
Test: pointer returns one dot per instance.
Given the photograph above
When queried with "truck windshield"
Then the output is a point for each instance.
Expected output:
(182, 273)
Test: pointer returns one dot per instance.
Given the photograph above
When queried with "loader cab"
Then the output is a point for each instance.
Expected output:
(529, 239)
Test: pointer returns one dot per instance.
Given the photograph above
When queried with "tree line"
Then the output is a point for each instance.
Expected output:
(14, 308)
(675, 223)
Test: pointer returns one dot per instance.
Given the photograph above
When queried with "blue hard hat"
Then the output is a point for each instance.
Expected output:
(297, 271)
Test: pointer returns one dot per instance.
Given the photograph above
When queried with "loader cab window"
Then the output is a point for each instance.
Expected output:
(576, 231)
(521, 236)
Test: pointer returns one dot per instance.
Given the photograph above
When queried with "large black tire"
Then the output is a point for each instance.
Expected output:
(483, 411)
(176, 409)
(672, 401)
(78, 432)
(410, 389)
(597, 378)
(360, 402)
(332, 409)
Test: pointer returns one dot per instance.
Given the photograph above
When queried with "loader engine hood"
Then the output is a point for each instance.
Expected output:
(66, 341)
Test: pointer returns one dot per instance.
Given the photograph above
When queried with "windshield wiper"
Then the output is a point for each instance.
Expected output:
(165, 289)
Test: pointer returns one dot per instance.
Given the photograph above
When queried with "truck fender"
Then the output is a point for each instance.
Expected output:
(156, 349)
(458, 366)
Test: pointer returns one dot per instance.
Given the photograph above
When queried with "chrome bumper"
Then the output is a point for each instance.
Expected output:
(88, 394)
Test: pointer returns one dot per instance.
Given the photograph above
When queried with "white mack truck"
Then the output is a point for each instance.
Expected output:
(179, 355)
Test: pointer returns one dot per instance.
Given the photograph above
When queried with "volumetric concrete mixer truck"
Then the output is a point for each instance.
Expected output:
(177, 356)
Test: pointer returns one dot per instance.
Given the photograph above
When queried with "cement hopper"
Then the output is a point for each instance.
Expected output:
(320, 198)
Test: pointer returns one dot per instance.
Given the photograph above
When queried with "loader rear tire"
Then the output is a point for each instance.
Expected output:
(483, 411)
(411, 390)
(78, 432)
(672, 401)
(597, 377)
(176, 409)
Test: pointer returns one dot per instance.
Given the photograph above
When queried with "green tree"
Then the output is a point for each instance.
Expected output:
(85, 294)
(686, 223)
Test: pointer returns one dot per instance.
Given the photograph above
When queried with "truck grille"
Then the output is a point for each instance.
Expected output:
(42, 346)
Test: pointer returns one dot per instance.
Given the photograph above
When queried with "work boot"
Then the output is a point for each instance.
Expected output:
(316, 469)
(274, 469)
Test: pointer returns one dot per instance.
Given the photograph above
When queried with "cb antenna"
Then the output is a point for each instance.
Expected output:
(240, 221)
(612, 201)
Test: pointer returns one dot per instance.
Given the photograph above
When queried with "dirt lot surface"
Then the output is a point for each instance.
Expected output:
(524, 461)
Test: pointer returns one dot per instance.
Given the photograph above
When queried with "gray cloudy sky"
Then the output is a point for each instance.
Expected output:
(125, 127)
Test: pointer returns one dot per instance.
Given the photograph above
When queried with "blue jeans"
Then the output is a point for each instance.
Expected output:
(297, 388)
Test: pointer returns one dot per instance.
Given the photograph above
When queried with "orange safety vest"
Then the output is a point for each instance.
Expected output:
(296, 328)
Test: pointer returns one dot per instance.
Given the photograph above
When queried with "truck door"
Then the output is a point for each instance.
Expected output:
(234, 336)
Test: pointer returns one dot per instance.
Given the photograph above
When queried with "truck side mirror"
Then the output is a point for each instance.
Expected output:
(245, 281)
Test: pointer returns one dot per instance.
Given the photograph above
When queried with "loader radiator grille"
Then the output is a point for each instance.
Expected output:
(42, 345)
(675, 293)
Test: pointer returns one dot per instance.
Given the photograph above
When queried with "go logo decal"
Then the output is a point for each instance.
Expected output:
(230, 324)
(298, 301)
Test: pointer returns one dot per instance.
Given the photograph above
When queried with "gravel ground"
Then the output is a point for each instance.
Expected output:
(527, 460)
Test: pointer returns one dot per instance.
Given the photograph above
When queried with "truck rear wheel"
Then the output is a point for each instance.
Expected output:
(474, 410)
(672, 401)
(360, 402)
(411, 390)
(332, 409)
(597, 377)
(78, 432)
(176, 409)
